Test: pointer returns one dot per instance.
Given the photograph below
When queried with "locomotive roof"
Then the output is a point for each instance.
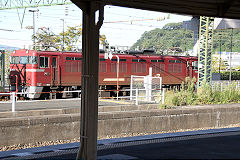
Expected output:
(19, 52)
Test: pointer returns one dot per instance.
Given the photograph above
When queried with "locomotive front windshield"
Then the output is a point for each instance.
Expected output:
(24, 60)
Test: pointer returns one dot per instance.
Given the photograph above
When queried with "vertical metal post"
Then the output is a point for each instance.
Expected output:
(163, 95)
(150, 84)
(89, 101)
(13, 101)
(131, 88)
(160, 89)
(136, 96)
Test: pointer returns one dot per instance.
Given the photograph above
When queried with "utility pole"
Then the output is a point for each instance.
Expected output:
(63, 34)
(33, 11)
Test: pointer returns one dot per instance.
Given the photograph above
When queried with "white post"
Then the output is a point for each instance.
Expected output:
(131, 88)
(149, 84)
(160, 88)
(13, 101)
(136, 96)
(163, 95)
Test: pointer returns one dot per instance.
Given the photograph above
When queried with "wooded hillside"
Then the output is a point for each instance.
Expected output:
(173, 35)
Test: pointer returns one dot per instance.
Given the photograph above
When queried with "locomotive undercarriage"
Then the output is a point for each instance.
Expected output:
(58, 92)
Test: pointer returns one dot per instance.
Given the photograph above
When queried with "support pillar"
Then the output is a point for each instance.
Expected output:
(90, 61)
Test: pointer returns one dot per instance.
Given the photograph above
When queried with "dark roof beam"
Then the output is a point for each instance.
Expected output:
(223, 8)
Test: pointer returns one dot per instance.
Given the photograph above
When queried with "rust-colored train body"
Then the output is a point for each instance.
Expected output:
(45, 71)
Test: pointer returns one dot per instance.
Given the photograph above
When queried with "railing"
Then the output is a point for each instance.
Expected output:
(13, 95)
(146, 98)
(222, 85)
(136, 98)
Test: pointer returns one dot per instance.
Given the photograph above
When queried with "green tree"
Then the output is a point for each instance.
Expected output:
(173, 35)
(69, 38)
(65, 41)
(163, 40)
(45, 39)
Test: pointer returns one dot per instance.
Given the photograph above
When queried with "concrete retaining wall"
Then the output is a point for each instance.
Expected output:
(23, 130)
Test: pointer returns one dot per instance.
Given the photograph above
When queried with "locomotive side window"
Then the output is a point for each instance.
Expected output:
(134, 60)
(138, 67)
(102, 67)
(73, 64)
(138, 60)
(122, 66)
(120, 60)
(158, 67)
(15, 60)
(41, 62)
(69, 58)
(113, 67)
(175, 68)
(54, 62)
(195, 65)
(44, 62)
(157, 60)
(142, 60)
(102, 59)
(77, 58)
(174, 61)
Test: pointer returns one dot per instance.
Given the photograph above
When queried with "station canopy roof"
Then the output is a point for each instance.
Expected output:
(211, 8)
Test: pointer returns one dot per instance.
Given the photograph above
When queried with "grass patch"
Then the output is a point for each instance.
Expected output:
(189, 95)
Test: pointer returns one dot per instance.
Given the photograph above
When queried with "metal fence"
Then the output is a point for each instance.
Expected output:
(146, 89)
(14, 98)
(223, 85)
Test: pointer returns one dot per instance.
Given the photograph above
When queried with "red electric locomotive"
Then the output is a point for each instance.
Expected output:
(47, 71)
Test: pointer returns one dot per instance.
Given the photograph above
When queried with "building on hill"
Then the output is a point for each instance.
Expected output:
(227, 57)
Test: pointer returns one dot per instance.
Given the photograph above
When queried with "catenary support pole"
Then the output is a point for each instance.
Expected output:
(89, 99)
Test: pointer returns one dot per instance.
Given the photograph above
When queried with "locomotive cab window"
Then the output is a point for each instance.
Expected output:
(44, 62)
(14, 59)
(24, 60)
(34, 60)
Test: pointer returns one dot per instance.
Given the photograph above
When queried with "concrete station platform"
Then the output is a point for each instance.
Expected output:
(204, 144)
(56, 104)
